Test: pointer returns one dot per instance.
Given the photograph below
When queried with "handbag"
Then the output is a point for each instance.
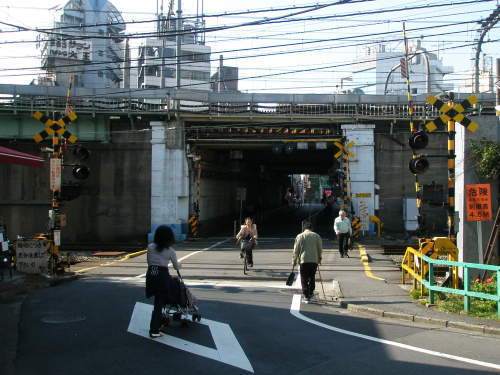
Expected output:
(291, 278)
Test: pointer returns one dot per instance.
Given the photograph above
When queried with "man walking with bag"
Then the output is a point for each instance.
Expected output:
(343, 230)
(307, 252)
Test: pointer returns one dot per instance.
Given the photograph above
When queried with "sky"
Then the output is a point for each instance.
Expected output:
(302, 53)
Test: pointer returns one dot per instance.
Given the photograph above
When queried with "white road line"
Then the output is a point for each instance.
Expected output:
(228, 349)
(295, 311)
(189, 255)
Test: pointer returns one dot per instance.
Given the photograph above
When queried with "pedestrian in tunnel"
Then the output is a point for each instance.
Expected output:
(160, 254)
(247, 236)
(343, 230)
(307, 252)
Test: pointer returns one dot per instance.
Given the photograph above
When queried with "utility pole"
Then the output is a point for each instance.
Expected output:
(486, 25)
(179, 50)
(161, 34)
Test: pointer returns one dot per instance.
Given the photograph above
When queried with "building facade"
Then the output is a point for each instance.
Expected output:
(89, 55)
(379, 72)
(157, 54)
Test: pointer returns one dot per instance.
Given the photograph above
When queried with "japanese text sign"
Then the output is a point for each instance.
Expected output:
(478, 202)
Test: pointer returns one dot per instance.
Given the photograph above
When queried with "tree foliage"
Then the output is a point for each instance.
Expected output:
(486, 153)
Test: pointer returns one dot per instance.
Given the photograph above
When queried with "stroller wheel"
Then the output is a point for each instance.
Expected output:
(196, 317)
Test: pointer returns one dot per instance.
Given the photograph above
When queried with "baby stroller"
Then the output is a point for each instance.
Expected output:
(180, 303)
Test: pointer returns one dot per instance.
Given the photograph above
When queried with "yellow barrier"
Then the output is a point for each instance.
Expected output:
(416, 267)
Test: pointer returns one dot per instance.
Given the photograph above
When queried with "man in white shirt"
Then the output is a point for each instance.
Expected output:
(342, 228)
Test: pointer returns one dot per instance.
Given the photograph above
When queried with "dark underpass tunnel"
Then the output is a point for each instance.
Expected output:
(277, 184)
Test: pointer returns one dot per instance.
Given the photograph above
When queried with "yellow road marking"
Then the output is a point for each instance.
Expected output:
(128, 256)
(364, 259)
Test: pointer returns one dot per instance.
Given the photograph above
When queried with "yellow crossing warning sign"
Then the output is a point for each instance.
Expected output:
(344, 150)
(451, 112)
(52, 126)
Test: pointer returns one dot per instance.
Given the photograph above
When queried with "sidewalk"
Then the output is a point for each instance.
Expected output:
(382, 294)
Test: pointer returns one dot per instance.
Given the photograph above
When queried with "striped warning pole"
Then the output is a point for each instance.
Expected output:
(345, 169)
(194, 220)
(451, 179)
(405, 73)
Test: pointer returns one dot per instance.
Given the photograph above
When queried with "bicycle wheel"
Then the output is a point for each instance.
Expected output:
(245, 264)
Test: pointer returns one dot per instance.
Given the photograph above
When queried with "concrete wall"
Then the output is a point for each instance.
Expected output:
(467, 234)
(114, 206)
(392, 155)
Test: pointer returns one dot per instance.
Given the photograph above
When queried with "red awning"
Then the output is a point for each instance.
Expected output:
(15, 157)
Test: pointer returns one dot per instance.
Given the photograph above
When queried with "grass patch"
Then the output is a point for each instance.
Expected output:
(479, 307)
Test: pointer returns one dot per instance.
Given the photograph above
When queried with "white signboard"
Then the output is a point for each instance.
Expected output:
(364, 217)
(241, 194)
(32, 256)
(70, 49)
(55, 174)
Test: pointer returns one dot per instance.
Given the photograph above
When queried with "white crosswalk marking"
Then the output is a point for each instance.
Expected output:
(228, 349)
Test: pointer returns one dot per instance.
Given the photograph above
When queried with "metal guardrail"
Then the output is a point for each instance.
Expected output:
(115, 105)
(417, 271)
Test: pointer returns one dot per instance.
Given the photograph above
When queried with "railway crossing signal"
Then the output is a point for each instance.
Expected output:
(55, 127)
(344, 150)
(451, 112)
(418, 140)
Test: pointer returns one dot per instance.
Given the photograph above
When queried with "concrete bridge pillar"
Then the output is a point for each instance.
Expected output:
(169, 179)
(362, 171)
(472, 237)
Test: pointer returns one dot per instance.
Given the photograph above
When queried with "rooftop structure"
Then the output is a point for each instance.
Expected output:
(380, 73)
(91, 55)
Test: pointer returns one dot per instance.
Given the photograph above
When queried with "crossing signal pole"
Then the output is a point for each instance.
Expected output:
(60, 135)
(418, 138)
(451, 113)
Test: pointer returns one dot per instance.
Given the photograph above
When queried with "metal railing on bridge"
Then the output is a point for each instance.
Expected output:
(27, 98)
(124, 105)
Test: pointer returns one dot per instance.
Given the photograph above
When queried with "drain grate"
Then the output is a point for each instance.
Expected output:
(62, 318)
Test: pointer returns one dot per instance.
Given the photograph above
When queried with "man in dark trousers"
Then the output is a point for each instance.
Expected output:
(307, 252)
(343, 230)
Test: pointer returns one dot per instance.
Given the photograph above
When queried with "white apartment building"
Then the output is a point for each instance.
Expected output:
(156, 54)
(379, 72)
(94, 57)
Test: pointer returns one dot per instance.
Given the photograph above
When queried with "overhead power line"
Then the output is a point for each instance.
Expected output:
(265, 21)
(274, 46)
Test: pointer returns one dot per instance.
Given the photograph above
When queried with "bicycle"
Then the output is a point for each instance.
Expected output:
(244, 251)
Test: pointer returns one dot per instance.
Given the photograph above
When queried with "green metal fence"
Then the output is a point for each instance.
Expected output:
(465, 292)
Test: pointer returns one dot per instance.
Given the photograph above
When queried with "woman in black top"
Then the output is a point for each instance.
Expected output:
(157, 278)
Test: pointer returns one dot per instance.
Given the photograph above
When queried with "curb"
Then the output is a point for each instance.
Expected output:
(479, 328)
(128, 256)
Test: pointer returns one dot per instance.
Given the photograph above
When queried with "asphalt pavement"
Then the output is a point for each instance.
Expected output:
(86, 324)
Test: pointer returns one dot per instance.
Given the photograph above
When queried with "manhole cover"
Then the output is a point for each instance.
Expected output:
(61, 318)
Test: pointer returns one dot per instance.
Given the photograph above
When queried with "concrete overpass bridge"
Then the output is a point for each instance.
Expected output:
(151, 164)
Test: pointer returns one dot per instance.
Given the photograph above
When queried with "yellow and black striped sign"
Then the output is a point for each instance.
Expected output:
(451, 112)
(194, 223)
(55, 127)
(356, 226)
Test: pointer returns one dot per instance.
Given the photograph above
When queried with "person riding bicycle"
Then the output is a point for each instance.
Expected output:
(247, 236)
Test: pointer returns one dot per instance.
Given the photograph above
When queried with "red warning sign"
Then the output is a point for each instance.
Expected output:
(478, 202)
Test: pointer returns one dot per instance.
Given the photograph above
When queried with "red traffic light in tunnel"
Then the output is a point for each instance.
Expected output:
(419, 165)
(81, 172)
(418, 140)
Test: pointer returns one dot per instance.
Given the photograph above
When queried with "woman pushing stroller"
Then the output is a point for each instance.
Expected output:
(160, 254)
